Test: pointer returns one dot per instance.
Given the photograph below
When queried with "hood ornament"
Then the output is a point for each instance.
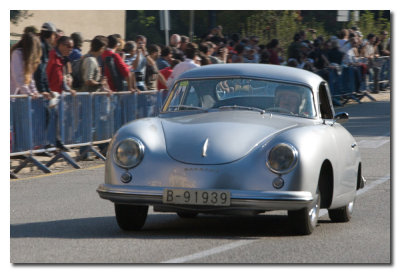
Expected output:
(205, 147)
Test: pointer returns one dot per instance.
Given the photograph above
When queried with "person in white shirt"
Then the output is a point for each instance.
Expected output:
(189, 63)
(351, 54)
(25, 58)
(370, 48)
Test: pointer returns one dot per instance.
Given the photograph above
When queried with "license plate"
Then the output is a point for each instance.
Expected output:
(197, 197)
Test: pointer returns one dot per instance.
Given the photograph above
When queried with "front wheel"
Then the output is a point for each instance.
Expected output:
(305, 220)
(342, 214)
(130, 217)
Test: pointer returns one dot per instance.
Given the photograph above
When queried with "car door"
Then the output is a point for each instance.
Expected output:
(345, 163)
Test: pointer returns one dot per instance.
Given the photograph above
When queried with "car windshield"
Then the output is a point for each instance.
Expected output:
(241, 94)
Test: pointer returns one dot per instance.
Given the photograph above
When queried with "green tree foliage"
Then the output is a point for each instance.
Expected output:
(373, 23)
(17, 16)
(281, 25)
(266, 24)
(140, 22)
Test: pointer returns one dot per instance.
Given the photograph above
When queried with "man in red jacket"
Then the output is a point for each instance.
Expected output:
(58, 68)
(59, 76)
(114, 67)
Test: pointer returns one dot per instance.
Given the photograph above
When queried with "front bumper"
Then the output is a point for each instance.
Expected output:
(240, 199)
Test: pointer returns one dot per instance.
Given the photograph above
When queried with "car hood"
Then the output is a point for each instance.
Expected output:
(220, 137)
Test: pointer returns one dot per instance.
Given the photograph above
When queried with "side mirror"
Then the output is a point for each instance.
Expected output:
(341, 117)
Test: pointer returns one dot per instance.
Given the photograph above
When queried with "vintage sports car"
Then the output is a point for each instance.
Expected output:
(237, 138)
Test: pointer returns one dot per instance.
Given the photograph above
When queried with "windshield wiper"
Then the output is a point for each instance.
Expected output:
(187, 107)
(240, 107)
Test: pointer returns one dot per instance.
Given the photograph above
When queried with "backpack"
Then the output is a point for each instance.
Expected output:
(77, 73)
(116, 77)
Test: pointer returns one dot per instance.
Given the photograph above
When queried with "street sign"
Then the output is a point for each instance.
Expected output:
(343, 16)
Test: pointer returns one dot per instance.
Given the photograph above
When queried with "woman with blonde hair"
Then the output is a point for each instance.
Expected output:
(25, 58)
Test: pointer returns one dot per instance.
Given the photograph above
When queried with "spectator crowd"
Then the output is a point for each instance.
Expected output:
(48, 62)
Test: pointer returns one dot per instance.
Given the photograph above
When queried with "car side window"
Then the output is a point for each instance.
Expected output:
(325, 104)
(192, 97)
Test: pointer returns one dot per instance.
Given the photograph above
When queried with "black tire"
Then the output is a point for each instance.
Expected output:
(304, 221)
(130, 217)
(342, 214)
(187, 214)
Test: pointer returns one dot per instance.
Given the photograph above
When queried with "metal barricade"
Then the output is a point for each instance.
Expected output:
(125, 110)
(42, 124)
(103, 113)
(75, 119)
(350, 82)
(384, 76)
(21, 131)
(147, 104)
(21, 125)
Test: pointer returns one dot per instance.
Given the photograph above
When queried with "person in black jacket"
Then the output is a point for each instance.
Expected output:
(334, 54)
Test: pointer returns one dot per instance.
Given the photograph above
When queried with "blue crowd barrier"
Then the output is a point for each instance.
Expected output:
(21, 124)
(103, 122)
(351, 82)
(86, 119)
(76, 118)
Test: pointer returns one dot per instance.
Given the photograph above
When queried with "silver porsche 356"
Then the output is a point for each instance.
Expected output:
(237, 138)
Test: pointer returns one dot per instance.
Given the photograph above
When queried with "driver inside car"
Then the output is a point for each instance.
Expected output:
(287, 97)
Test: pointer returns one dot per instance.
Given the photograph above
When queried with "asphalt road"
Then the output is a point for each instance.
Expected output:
(61, 219)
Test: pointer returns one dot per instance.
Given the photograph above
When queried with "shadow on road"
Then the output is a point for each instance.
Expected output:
(159, 226)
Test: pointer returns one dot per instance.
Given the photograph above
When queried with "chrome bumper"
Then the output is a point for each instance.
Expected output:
(260, 200)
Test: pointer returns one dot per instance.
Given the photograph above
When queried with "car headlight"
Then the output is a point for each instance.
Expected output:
(129, 152)
(282, 158)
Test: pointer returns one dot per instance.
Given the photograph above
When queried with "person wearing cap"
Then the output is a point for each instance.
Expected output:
(47, 39)
(287, 97)
(76, 53)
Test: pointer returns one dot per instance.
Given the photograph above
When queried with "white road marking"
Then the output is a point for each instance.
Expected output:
(216, 250)
(211, 251)
(373, 143)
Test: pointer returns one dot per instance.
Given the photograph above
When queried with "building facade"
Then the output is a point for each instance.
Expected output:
(88, 22)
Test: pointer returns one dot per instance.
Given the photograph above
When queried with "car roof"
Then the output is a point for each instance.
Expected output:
(262, 71)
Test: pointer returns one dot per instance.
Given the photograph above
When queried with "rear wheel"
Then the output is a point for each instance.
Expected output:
(342, 214)
(130, 217)
(305, 220)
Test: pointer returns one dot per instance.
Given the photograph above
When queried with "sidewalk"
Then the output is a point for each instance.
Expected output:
(381, 96)
(62, 165)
